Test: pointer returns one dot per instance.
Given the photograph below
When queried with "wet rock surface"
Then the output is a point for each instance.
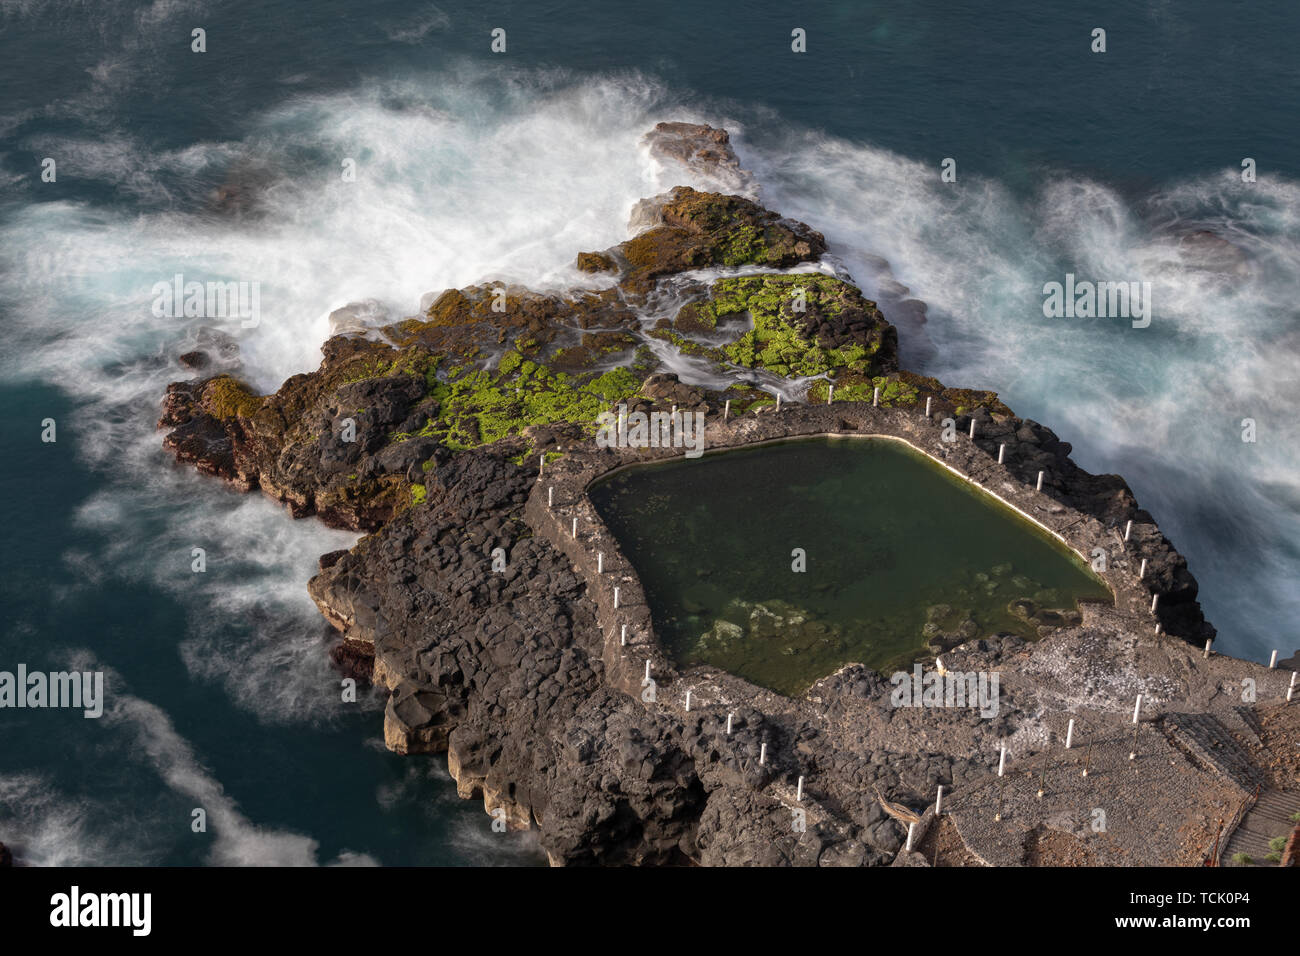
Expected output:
(705, 151)
(494, 630)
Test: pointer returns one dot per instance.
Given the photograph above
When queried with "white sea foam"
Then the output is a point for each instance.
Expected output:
(44, 826)
(414, 28)
(236, 840)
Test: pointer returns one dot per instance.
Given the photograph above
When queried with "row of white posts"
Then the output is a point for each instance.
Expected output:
(1128, 528)
(600, 569)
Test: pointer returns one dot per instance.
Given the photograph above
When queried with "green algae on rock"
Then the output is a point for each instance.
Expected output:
(482, 407)
(226, 397)
(707, 229)
(595, 262)
(805, 324)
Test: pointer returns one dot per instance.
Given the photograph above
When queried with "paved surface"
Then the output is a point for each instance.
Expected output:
(1157, 809)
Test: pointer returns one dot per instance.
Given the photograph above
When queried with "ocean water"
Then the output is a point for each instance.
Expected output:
(473, 165)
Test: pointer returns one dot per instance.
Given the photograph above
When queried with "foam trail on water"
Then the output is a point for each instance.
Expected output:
(50, 826)
(45, 826)
(236, 841)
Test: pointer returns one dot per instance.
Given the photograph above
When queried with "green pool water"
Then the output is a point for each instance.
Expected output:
(902, 558)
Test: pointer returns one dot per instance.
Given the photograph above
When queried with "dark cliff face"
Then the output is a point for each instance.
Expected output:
(429, 433)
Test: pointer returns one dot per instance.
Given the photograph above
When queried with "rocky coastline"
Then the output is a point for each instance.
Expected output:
(461, 442)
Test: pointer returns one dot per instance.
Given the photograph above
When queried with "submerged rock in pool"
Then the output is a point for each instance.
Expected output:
(1036, 614)
(720, 637)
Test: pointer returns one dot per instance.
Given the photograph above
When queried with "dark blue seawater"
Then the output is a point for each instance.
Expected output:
(227, 164)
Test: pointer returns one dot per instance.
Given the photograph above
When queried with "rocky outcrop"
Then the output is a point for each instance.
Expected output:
(705, 152)
(461, 439)
(349, 442)
(319, 444)
(694, 230)
(6, 858)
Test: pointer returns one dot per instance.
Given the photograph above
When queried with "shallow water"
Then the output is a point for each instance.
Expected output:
(895, 552)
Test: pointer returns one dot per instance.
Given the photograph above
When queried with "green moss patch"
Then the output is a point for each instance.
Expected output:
(785, 309)
(702, 229)
(854, 388)
(225, 398)
(595, 262)
(480, 407)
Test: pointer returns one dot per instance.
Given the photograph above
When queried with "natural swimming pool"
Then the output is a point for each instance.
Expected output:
(897, 554)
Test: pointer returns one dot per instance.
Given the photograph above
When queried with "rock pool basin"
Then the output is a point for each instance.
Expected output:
(781, 563)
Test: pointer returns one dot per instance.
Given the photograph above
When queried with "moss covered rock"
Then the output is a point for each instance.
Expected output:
(360, 439)
(709, 229)
(807, 324)
(595, 262)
